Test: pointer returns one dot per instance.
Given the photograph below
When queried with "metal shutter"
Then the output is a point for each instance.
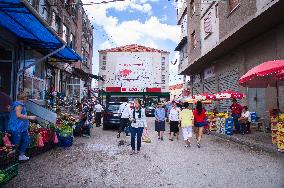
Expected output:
(196, 89)
(210, 86)
(228, 81)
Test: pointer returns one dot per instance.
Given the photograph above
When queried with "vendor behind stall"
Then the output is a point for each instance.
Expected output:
(19, 124)
(236, 114)
(245, 120)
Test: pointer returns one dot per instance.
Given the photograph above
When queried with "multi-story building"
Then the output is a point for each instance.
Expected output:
(69, 20)
(134, 70)
(226, 39)
(182, 46)
(67, 23)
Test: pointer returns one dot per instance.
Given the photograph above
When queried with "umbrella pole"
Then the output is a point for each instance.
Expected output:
(277, 94)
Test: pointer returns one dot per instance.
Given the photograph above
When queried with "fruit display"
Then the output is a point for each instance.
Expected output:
(223, 115)
(280, 136)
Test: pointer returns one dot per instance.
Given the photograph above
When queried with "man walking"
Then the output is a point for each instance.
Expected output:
(98, 110)
(160, 116)
(125, 111)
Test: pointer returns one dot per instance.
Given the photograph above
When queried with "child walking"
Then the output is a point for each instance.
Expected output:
(186, 123)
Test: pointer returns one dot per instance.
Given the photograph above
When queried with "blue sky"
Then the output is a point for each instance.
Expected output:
(146, 22)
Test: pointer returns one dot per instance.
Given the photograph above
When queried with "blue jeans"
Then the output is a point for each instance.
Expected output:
(136, 132)
(22, 140)
(4, 118)
(236, 122)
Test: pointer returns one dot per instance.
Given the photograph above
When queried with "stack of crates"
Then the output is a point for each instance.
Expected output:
(229, 126)
(274, 129)
(280, 136)
(220, 122)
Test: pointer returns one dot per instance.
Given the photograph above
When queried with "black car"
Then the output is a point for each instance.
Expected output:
(111, 117)
(150, 111)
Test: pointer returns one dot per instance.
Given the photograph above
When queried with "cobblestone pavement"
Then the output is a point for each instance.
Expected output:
(100, 162)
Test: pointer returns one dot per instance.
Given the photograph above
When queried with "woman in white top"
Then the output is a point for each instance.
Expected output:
(174, 121)
(245, 120)
(138, 122)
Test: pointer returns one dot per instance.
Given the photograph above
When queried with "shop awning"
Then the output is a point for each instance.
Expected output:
(20, 19)
(181, 44)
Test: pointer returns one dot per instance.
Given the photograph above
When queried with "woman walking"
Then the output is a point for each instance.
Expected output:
(160, 116)
(174, 121)
(19, 124)
(186, 123)
(138, 122)
(199, 121)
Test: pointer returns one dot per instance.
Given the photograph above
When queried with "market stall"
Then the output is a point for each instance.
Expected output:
(270, 73)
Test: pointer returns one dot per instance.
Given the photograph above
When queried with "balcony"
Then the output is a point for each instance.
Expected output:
(183, 64)
(181, 11)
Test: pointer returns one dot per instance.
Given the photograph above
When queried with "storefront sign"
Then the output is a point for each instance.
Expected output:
(208, 73)
(123, 89)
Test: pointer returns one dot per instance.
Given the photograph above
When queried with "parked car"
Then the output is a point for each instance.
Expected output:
(111, 117)
(150, 111)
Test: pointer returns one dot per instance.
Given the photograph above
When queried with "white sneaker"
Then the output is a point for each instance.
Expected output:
(23, 158)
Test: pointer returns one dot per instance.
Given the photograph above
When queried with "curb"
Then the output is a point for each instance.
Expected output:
(253, 146)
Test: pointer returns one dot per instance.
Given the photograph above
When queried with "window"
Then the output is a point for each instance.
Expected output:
(163, 87)
(163, 58)
(43, 9)
(163, 65)
(163, 76)
(72, 41)
(193, 40)
(163, 81)
(217, 10)
(207, 24)
(233, 4)
(104, 57)
(55, 22)
(103, 68)
(192, 7)
(104, 62)
(65, 33)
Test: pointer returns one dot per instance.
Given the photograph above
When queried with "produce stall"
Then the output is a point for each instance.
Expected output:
(8, 159)
(280, 133)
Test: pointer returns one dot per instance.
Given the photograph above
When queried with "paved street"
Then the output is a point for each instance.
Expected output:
(100, 162)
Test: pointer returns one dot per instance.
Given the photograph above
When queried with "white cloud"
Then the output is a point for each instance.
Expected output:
(132, 31)
(164, 18)
(106, 45)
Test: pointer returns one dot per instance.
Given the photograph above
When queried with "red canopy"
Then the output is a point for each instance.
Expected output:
(229, 95)
(204, 96)
(263, 75)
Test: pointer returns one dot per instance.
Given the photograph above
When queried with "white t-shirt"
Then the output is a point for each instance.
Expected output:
(98, 108)
(125, 110)
(174, 114)
(246, 115)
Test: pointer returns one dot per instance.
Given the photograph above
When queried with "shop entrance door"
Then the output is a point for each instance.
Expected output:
(5, 70)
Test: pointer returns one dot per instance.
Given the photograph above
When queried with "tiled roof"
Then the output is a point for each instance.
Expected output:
(132, 48)
(176, 86)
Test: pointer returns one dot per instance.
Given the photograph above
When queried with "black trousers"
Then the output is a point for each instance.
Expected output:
(98, 118)
(245, 127)
(124, 122)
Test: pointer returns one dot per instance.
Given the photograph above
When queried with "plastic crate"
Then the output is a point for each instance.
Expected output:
(8, 160)
(65, 141)
(8, 173)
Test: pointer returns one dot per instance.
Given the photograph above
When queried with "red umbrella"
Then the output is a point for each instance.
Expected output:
(204, 96)
(262, 75)
(229, 95)
(280, 75)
